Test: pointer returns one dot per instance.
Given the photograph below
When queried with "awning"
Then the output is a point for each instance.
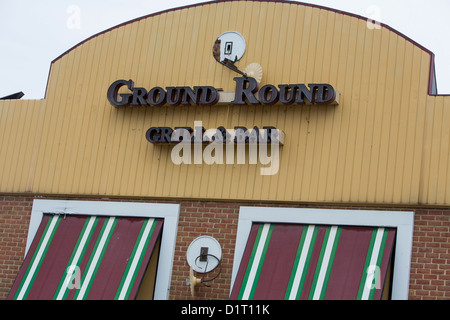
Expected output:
(87, 257)
(294, 261)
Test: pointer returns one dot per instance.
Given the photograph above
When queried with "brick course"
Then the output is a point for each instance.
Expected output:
(205, 218)
(430, 263)
(14, 220)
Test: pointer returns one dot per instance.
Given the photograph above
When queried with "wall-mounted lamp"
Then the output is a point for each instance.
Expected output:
(203, 255)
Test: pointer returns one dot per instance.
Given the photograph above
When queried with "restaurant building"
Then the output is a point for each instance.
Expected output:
(230, 150)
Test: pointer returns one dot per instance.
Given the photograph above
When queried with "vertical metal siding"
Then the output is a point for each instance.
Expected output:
(384, 143)
(435, 170)
(20, 129)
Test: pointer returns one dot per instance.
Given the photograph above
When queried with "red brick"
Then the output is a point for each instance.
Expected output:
(430, 263)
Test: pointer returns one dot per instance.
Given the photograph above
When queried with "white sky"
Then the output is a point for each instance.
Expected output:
(33, 33)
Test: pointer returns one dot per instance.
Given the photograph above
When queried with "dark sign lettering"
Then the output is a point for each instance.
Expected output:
(166, 135)
(247, 92)
(246, 89)
(157, 96)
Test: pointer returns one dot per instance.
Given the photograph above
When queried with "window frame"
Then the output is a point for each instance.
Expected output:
(403, 221)
(168, 212)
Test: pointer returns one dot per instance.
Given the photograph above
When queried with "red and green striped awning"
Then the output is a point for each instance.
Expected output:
(87, 257)
(301, 262)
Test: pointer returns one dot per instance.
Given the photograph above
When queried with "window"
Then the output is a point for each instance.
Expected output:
(98, 250)
(287, 253)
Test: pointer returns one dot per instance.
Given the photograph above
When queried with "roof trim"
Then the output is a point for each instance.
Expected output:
(432, 59)
(14, 96)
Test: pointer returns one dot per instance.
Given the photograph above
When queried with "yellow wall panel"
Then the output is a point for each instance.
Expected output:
(435, 172)
(20, 128)
(385, 143)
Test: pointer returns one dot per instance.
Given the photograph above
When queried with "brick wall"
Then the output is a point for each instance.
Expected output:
(215, 219)
(14, 220)
(430, 265)
(430, 261)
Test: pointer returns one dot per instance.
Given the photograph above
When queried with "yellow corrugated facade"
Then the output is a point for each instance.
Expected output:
(387, 142)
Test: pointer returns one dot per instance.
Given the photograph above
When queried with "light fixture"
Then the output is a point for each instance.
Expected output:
(203, 255)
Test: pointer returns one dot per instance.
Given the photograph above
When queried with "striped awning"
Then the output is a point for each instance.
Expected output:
(312, 262)
(87, 257)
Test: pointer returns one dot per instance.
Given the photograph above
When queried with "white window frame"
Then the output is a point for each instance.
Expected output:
(169, 212)
(403, 221)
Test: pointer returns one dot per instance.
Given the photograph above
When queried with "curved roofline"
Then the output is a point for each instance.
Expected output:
(431, 80)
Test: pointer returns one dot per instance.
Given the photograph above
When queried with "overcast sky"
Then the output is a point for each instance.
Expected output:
(33, 33)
